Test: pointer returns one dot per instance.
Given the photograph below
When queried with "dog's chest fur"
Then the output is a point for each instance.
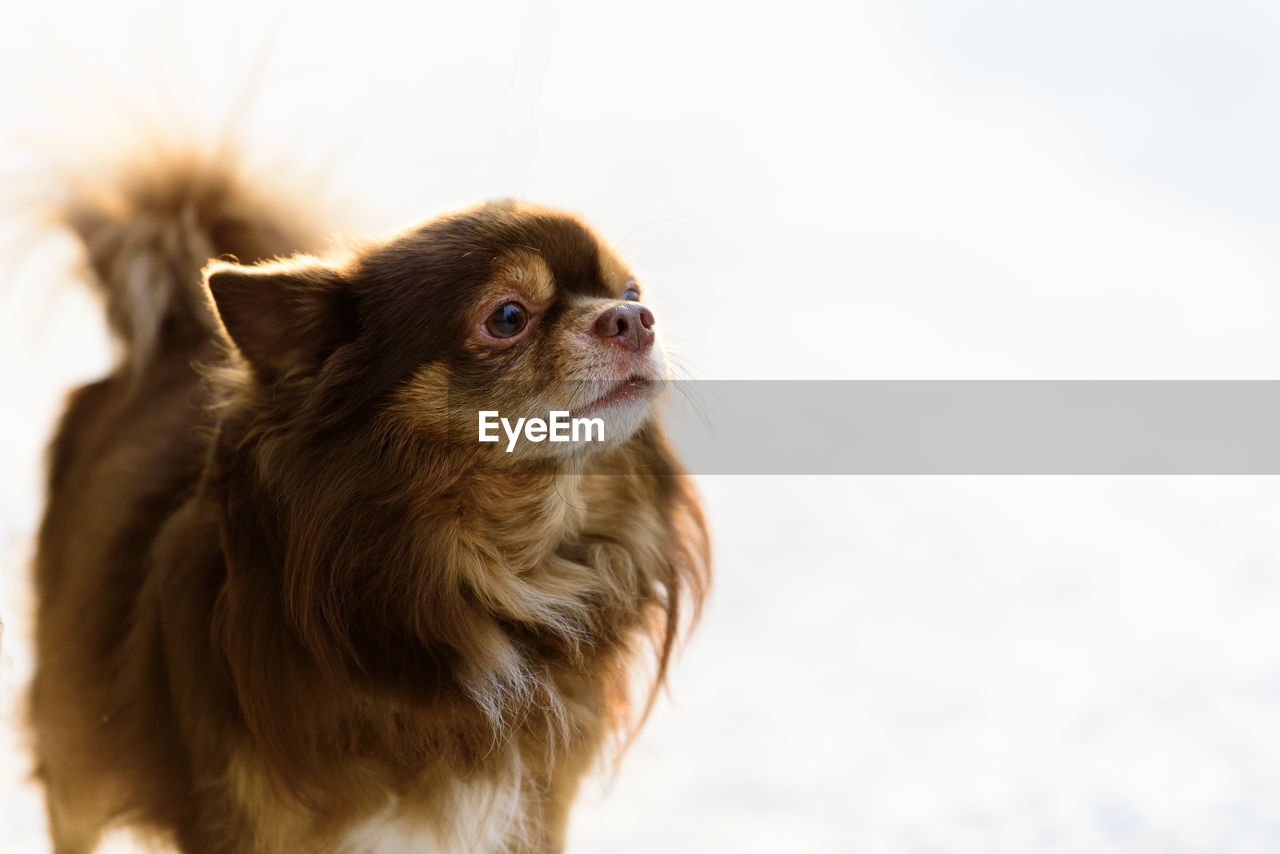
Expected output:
(479, 818)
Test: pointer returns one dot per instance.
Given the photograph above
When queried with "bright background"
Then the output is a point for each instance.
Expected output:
(920, 189)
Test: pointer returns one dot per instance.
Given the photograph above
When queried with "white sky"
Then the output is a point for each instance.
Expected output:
(842, 190)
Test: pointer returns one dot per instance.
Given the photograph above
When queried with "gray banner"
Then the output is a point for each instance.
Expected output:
(975, 427)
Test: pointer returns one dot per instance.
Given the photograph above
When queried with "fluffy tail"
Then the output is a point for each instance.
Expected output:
(150, 229)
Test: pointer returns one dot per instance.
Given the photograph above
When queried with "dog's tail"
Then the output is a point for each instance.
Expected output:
(150, 227)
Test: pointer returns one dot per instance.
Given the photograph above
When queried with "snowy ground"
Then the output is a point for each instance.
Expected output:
(869, 190)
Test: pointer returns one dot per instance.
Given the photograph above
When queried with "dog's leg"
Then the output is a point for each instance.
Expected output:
(78, 810)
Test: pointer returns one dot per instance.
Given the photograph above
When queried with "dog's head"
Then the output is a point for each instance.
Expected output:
(507, 309)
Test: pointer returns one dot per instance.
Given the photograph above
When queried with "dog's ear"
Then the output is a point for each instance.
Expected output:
(285, 317)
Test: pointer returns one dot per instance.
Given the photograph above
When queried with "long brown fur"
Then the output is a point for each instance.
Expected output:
(283, 592)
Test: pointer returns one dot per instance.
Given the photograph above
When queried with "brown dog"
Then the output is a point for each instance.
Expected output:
(288, 602)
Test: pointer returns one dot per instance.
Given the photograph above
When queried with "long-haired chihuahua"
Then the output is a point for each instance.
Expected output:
(289, 601)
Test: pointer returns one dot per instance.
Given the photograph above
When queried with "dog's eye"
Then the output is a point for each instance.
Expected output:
(507, 321)
(631, 294)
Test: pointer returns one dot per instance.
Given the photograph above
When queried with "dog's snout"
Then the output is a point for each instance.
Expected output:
(630, 325)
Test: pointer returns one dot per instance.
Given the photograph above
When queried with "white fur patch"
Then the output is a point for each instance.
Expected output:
(479, 818)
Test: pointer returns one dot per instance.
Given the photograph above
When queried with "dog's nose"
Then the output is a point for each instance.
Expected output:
(630, 325)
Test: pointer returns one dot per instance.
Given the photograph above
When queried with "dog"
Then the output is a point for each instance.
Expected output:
(287, 600)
